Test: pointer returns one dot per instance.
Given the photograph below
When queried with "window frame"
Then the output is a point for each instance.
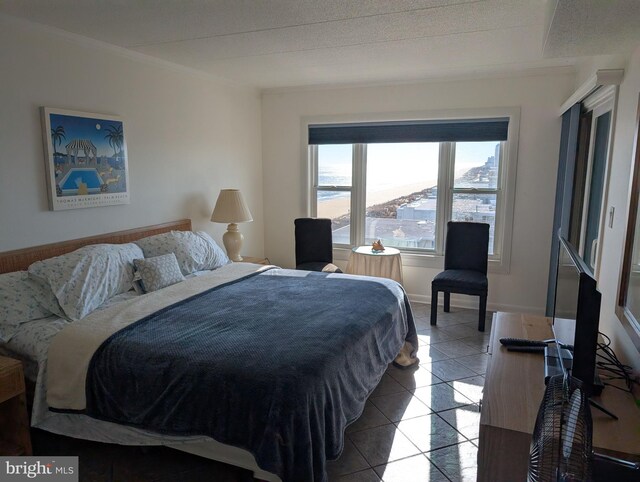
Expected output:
(630, 322)
(315, 187)
(499, 262)
(603, 101)
(498, 191)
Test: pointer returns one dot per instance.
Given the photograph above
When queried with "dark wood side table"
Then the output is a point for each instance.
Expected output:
(15, 438)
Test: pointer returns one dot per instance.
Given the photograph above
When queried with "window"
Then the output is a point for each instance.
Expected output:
(401, 194)
(333, 190)
(589, 173)
(401, 182)
(476, 192)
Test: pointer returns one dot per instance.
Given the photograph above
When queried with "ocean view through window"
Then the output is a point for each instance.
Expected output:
(334, 188)
(403, 193)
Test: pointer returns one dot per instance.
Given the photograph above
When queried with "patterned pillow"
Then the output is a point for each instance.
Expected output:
(45, 298)
(18, 303)
(84, 279)
(158, 272)
(194, 251)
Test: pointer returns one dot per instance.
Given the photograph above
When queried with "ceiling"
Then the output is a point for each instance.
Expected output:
(283, 43)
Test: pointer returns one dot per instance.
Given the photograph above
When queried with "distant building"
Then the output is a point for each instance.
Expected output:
(423, 210)
(414, 225)
(468, 207)
(415, 222)
(492, 161)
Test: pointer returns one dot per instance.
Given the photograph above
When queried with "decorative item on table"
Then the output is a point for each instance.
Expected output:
(85, 158)
(377, 246)
(231, 208)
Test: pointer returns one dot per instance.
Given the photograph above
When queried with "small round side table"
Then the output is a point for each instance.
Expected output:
(384, 264)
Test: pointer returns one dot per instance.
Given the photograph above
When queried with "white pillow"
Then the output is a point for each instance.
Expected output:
(18, 303)
(158, 272)
(194, 251)
(84, 279)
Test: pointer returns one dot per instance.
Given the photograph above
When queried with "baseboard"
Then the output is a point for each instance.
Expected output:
(471, 302)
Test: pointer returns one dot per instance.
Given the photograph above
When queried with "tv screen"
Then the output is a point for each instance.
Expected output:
(576, 313)
(567, 289)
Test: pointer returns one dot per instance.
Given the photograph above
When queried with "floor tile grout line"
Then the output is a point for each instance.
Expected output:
(470, 404)
(408, 457)
(465, 378)
(436, 465)
(361, 455)
(424, 452)
(367, 428)
(476, 349)
(413, 388)
(396, 460)
(455, 339)
(466, 439)
(458, 391)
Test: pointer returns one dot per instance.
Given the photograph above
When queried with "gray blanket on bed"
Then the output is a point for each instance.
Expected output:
(277, 363)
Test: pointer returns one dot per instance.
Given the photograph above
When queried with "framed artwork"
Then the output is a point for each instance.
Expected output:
(86, 159)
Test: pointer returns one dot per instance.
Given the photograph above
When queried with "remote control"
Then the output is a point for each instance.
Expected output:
(521, 342)
(526, 349)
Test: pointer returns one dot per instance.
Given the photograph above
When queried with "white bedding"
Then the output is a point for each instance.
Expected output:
(31, 344)
(72, 350)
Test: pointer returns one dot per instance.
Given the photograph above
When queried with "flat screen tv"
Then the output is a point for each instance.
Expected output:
(577, 303)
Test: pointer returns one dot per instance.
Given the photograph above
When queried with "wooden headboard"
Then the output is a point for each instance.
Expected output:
(20, 259)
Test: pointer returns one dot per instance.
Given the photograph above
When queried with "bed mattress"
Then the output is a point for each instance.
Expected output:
(375, 311)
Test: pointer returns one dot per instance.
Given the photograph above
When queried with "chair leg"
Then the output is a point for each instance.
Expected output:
(482, 312)
(447, 302)
(434, 306)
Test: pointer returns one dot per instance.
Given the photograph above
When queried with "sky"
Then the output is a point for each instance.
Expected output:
(94, 129)
(388, 164)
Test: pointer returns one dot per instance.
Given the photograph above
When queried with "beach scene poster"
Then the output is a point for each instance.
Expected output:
(86, 159)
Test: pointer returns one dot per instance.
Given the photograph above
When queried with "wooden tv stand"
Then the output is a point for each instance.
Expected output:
(513, 390)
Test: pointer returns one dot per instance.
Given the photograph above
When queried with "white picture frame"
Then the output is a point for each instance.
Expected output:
(86, 159)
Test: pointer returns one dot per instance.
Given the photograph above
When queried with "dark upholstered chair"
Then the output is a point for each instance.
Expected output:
(314, 245)
(465, 267)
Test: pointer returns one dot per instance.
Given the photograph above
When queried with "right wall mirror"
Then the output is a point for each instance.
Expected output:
(628, 309)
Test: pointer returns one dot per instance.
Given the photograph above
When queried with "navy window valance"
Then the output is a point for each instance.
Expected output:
(470, 130)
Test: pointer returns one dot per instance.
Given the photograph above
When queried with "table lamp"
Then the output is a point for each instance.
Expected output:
(231, 208)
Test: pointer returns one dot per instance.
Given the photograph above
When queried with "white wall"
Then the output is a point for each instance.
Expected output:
(618, 197)
(188, 136)
(588, 66)
(524, 288)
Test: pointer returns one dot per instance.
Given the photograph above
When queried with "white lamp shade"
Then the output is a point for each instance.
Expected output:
(231, 208)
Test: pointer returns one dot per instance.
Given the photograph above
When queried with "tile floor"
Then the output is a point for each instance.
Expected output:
(419, 424)
(422, 424)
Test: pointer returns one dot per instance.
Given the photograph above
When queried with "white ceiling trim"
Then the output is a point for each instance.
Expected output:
(601, 78)
(452, 76)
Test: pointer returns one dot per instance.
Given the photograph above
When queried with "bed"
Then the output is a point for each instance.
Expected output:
(268, 380)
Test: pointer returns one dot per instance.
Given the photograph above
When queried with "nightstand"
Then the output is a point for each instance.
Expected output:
(15, 438)
(251, 259)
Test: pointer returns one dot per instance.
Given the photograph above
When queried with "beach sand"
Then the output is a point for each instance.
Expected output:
(333, 208)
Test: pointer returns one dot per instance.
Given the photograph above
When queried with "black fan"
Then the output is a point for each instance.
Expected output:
(561, 446)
